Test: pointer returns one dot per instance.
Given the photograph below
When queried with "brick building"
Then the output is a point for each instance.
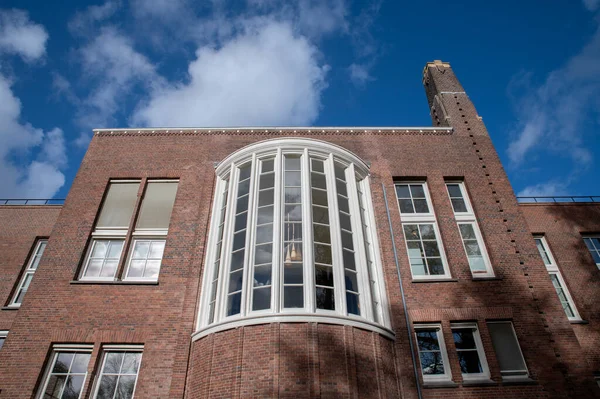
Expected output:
(301, 262)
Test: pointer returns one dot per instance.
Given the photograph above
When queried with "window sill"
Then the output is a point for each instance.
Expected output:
(115, 282)
(435, 280)
(11, 307)
(487, 278)
(580, 321)
(518, 381)
(292, 318)
(478, 382)
(440, 384)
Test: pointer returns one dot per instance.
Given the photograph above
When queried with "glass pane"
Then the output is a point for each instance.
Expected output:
(454, 190)
(239, 240)
(411, 232)
(241, 221)
(262, 275)
(235, 281)
(320, 215)
(263, 254)
(417, 191)
(292, 179)
(325, 298)
(267, 180)
(319, 197)
(347, 240)
(463, 338)
(292, 274)
(93, 269)
(125, 387)
(506, 346)
(343, 204)
(63, 362)
(293, 213)
(324, 275)
(402, 191)
(157, 205)
(265, 215)
(100, 248)
(406, 206)
(268, 165)
(115, 248)
(266, 197)
(237, 260)
(55, 384)
(292, 253)
(431, 248)
(131, 362)
(292, 162)
(80, 363)
(264, 234)
(261, 299)
(318, 180)
(472, 248)
(542, 251)
(156, 249)
(317, 165)
(108, 383)
(432, 363)
(351, 282)
(469, 362)
(459, 205)
(141, 248)
(233, 304)
(339, 171)
(476, 263)
(345, 221)
(427, 231)
(113, 362)
(245, 171)
(341, 188)
(323, 254)
(349, 262)
(109, 269)
(293, 297)
(242, 204)
(436, 267)
(418, 267)
(352, 303)
(152, 269)
(243, 188)
(421, 206)
(73, 387)
(293, 195)
(321, 233)
(467, 232)
(427, 339)
(118, 205)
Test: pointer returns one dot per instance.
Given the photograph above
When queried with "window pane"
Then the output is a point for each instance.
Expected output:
(261, 299)
(293, 195)
(73, 387)
(318, 180)
(469, 362)
(264, 234)
(406, 206)
(292, 179)
(351, 282)
(402, 191)
(454, 190)
(141, 249)
(293, 297)
(80, 363)
(118, 205)
(463, 338)
(320, 215)
(417, 191)
(432, 363)
(352, 303)
(349, 262)
(323, 254)
(125, 387)
(267, 180)
(325, 298)
(233, 304)
(319, 197)
(263, 254)
(136, 268)
(157, 205)
(506, 347)
(266, 197)
(55, 385)
(324, 275)
(542, 250)
(292, 162)
(293, 274)
(262, 275)
(321, 233)
(113, 362)
(467, 232)
(131, 362)
(265, 215)
(421, 206)
(109, 268)
(427, 339)
(459, 205)
(108, 384)
(63, 362)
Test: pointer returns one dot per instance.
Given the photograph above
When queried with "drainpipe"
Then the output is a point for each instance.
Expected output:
(410, 337)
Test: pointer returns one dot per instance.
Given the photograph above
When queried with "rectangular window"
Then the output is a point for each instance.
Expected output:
(508, 352)
(469, 348)
(479, 261)
(118, 376)
(3, 335)
(293, 272)
(66, 373)
(32, 266)
(557, 279)
(432, 352)
(423, 241)
(593, 244)
(145, 259)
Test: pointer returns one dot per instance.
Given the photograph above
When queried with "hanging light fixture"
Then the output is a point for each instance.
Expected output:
(288, 257)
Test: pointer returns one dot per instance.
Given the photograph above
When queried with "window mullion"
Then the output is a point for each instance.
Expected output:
(336, 238)
(227, 243)
(276, 279)
(248, 266)
(307, 236)
(364, 285)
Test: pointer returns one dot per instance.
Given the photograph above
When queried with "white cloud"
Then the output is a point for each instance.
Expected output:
(359, 74)
(266, 75)
(555, 116)
(160, 9)
(19, 35)
(83, 21)
(40, 178)
(548, 189)
(591, 5)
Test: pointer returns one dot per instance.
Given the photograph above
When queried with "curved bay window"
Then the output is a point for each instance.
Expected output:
(292, 237)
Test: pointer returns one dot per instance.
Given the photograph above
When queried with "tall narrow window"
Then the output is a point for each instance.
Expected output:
(118, 376)
(3, 335)
(423, 242)
(593, 244)
(479, 261)
(30, 270)
(469, 348)
(432, 353)
(289, 242)
(557, 279)
(66, 373)
(508, 352)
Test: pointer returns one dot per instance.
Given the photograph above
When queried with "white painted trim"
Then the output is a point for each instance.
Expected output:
(88, 256)
(329, 318)
(56, 349)
(447, 376)
(28, 270)
(123, 347)
(117, 348)
(485, 374)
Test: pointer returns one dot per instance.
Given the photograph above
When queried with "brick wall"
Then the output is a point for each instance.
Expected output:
(563, 226)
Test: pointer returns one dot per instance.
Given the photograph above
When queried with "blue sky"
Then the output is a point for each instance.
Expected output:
(532, 69)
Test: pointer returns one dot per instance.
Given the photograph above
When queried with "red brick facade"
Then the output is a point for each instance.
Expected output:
(303, 359)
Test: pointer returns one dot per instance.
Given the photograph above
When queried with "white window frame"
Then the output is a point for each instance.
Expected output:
(277, 149)
(117, 348)
(3, 335)
(88, 256)
(508, 375)
(29, 271)
(447, 376)
(588, 248)
(485, 374)
(132, 244)
(469, 217)
(56, 349)
(553, 269)
(423, 218)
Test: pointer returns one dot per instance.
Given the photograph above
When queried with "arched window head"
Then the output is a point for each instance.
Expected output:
(292, 238)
